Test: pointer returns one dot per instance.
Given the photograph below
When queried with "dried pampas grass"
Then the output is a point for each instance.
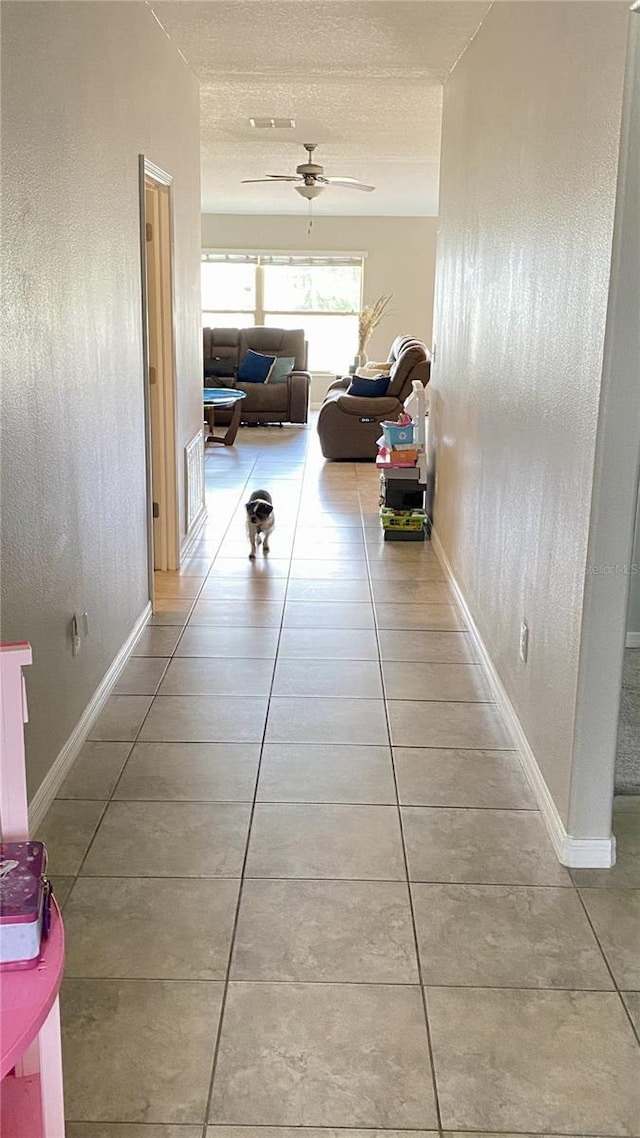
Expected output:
(368, 320)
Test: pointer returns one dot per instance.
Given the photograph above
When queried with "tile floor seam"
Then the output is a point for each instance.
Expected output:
(414, 928)
(301, 801)
(186, 620)
(345, 983)
(348, 1130)
(357, 880)
(634, 1027)
(76, 875)
(227, 980)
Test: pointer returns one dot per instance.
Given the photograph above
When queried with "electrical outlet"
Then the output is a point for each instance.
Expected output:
(524, 641)
(76, 639)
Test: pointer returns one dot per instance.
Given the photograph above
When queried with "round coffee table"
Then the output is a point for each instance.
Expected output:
(213, 397)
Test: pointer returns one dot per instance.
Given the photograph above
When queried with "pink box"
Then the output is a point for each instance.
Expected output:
(24, 903)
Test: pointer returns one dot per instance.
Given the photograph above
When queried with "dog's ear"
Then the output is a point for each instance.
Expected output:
(248, 506)
(267, 509)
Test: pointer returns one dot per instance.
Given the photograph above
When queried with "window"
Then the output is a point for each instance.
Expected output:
(228, 294)
(318, 292)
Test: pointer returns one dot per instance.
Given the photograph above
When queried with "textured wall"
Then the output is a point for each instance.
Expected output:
(529, 164)
(85, 89)
(400, 260)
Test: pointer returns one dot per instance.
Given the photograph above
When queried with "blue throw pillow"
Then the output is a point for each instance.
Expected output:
(369, 388)
(282, 369)
(255, 367)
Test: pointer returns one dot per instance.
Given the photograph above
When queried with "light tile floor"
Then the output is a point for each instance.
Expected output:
(304, 881)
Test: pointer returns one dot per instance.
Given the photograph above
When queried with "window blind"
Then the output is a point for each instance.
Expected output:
(301, 260)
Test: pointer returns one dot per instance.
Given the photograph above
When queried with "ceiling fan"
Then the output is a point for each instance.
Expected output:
(311, 179)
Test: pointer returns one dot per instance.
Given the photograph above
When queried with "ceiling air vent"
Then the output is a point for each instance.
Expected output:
(270, 124)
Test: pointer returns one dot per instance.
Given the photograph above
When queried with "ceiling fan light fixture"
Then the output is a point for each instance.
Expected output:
(309, 192)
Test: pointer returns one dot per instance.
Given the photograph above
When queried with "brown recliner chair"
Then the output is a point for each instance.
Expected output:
(349, 425)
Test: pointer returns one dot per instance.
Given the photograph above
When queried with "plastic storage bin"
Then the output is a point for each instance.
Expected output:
(408, 520)
(395, 435)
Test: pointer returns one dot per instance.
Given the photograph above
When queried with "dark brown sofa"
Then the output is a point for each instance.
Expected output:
(349, 425)
(286, 402)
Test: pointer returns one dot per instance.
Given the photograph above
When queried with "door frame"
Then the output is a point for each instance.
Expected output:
(164, 420)
(614, 502)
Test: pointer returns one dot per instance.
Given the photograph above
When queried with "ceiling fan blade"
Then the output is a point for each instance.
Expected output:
(349, 184)
(270, 178)
(344, 178)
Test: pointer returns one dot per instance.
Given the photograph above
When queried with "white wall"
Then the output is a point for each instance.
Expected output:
(528, 181)
(85, 89)
(400, 260)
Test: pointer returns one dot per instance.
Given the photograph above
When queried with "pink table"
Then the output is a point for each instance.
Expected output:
(29, 1012)
(27, 997)
(31, 1096)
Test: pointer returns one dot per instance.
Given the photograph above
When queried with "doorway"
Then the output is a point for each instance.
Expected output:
(159, 369)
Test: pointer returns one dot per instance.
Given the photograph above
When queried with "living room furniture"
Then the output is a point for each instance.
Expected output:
(284, 402)
(349, 425)
(31, 1094)
(221, 398)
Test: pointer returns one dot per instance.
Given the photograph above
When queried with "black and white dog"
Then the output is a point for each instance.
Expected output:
(260, 520)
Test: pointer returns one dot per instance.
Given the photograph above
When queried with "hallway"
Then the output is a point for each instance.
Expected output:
(305, 883)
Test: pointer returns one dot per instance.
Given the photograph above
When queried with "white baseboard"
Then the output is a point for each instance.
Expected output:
(57, 773)
(577, 853)
(194, 533)
(633, 640)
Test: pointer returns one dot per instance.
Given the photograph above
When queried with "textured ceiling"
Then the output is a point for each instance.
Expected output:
(362, 78)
